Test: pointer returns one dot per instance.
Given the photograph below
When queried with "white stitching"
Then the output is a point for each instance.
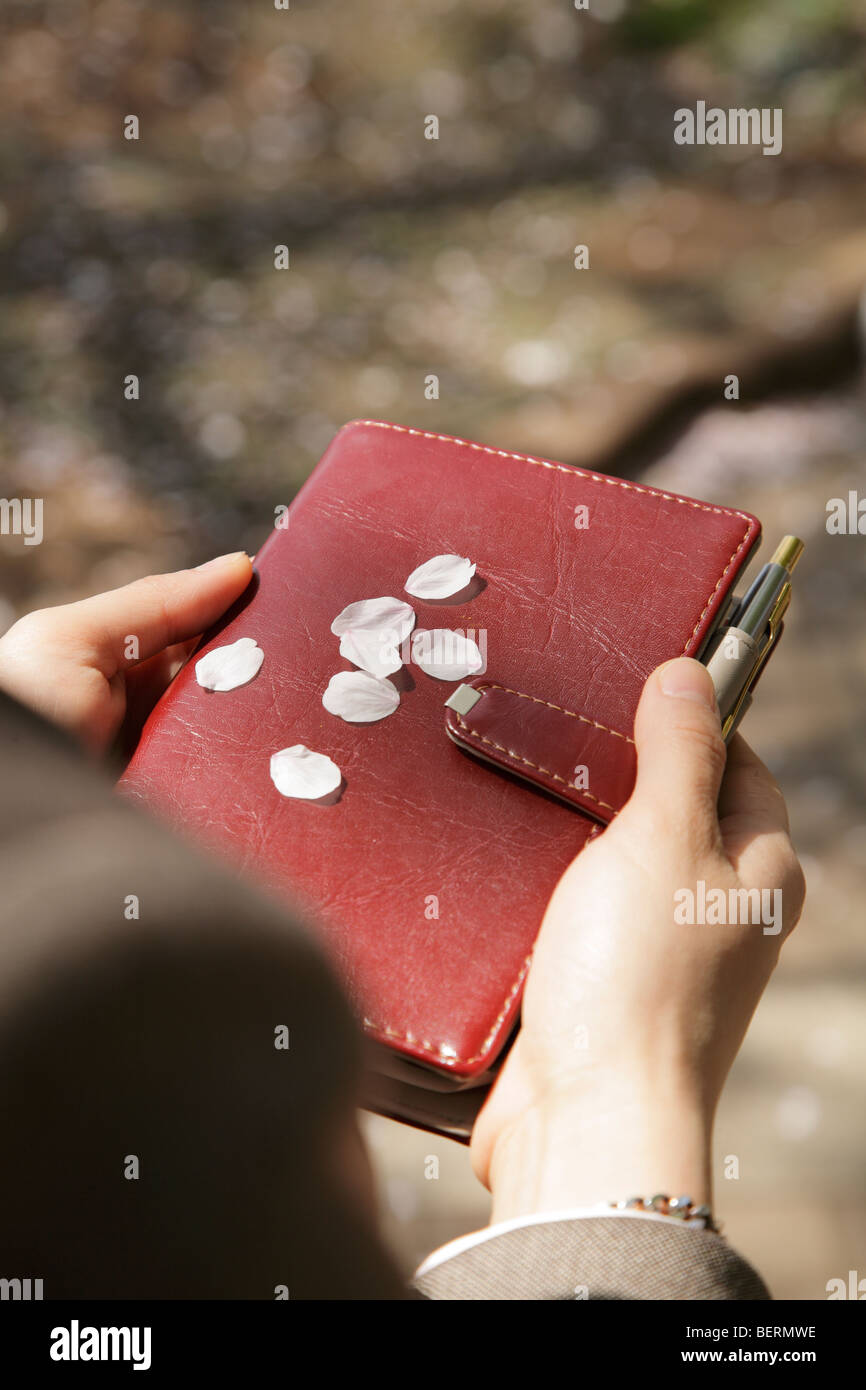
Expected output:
(518, 757)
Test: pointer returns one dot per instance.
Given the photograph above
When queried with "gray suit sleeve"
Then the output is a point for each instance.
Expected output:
(601, 1258)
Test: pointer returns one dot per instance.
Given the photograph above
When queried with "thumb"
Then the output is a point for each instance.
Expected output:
(680, 752)
(161, 610)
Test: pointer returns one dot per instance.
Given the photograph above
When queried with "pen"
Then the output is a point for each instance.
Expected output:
(750, 634)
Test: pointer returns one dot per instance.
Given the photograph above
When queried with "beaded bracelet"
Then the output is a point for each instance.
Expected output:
(683, 1208)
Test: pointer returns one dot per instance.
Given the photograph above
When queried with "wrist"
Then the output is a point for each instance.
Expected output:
(580, 1147)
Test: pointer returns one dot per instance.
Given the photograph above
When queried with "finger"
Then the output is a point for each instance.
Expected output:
(144, 686)
(157, 612)
(750, 791)
(755, 830)
(148, 679)
(680, 752)
(767, 861)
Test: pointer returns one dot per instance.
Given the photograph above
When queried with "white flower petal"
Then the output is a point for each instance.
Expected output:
(440, 577)
(300, 773)
(375, 652)
(225, 668)
(359, 698)
(449, 656)
(376, 615)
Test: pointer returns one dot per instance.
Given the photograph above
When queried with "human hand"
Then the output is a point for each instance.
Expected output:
(632, 1019)
(76, 665)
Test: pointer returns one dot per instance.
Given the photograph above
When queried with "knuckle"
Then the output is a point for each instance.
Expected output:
(784, 872)
(151, 584)
(793, 881)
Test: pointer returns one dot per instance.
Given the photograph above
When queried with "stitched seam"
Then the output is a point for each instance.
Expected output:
(386, 1031)
(572, 714)
(519, 759)
(709, 602)
(559, 468)
(593, 478)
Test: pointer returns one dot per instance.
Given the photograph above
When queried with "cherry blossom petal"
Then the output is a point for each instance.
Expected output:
(375, 651)
(225, 668)
(449, 656)
(298, 772)
(440, 577)
(376, 615)
(359, 698)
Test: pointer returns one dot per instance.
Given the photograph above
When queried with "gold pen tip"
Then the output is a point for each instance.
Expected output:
(787, 552)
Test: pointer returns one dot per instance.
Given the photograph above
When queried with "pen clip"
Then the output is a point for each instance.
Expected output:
(780, 608)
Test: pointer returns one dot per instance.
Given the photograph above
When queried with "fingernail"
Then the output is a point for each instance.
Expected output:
(222, 559)
(687, 679)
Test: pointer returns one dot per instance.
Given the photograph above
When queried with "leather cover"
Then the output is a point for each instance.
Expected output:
(427, 878)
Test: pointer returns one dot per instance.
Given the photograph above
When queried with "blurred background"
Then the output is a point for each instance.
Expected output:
(454, 257)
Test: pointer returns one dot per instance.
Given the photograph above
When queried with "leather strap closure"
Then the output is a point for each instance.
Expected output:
(566, 752)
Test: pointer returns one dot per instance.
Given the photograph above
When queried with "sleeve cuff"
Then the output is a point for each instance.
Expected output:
(516, 1223)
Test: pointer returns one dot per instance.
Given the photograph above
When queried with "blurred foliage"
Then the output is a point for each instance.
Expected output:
(665, 23)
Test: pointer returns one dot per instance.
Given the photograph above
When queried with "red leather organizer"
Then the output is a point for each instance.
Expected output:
(428, 878)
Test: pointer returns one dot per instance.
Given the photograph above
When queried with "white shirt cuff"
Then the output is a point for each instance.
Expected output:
(456, 1247)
